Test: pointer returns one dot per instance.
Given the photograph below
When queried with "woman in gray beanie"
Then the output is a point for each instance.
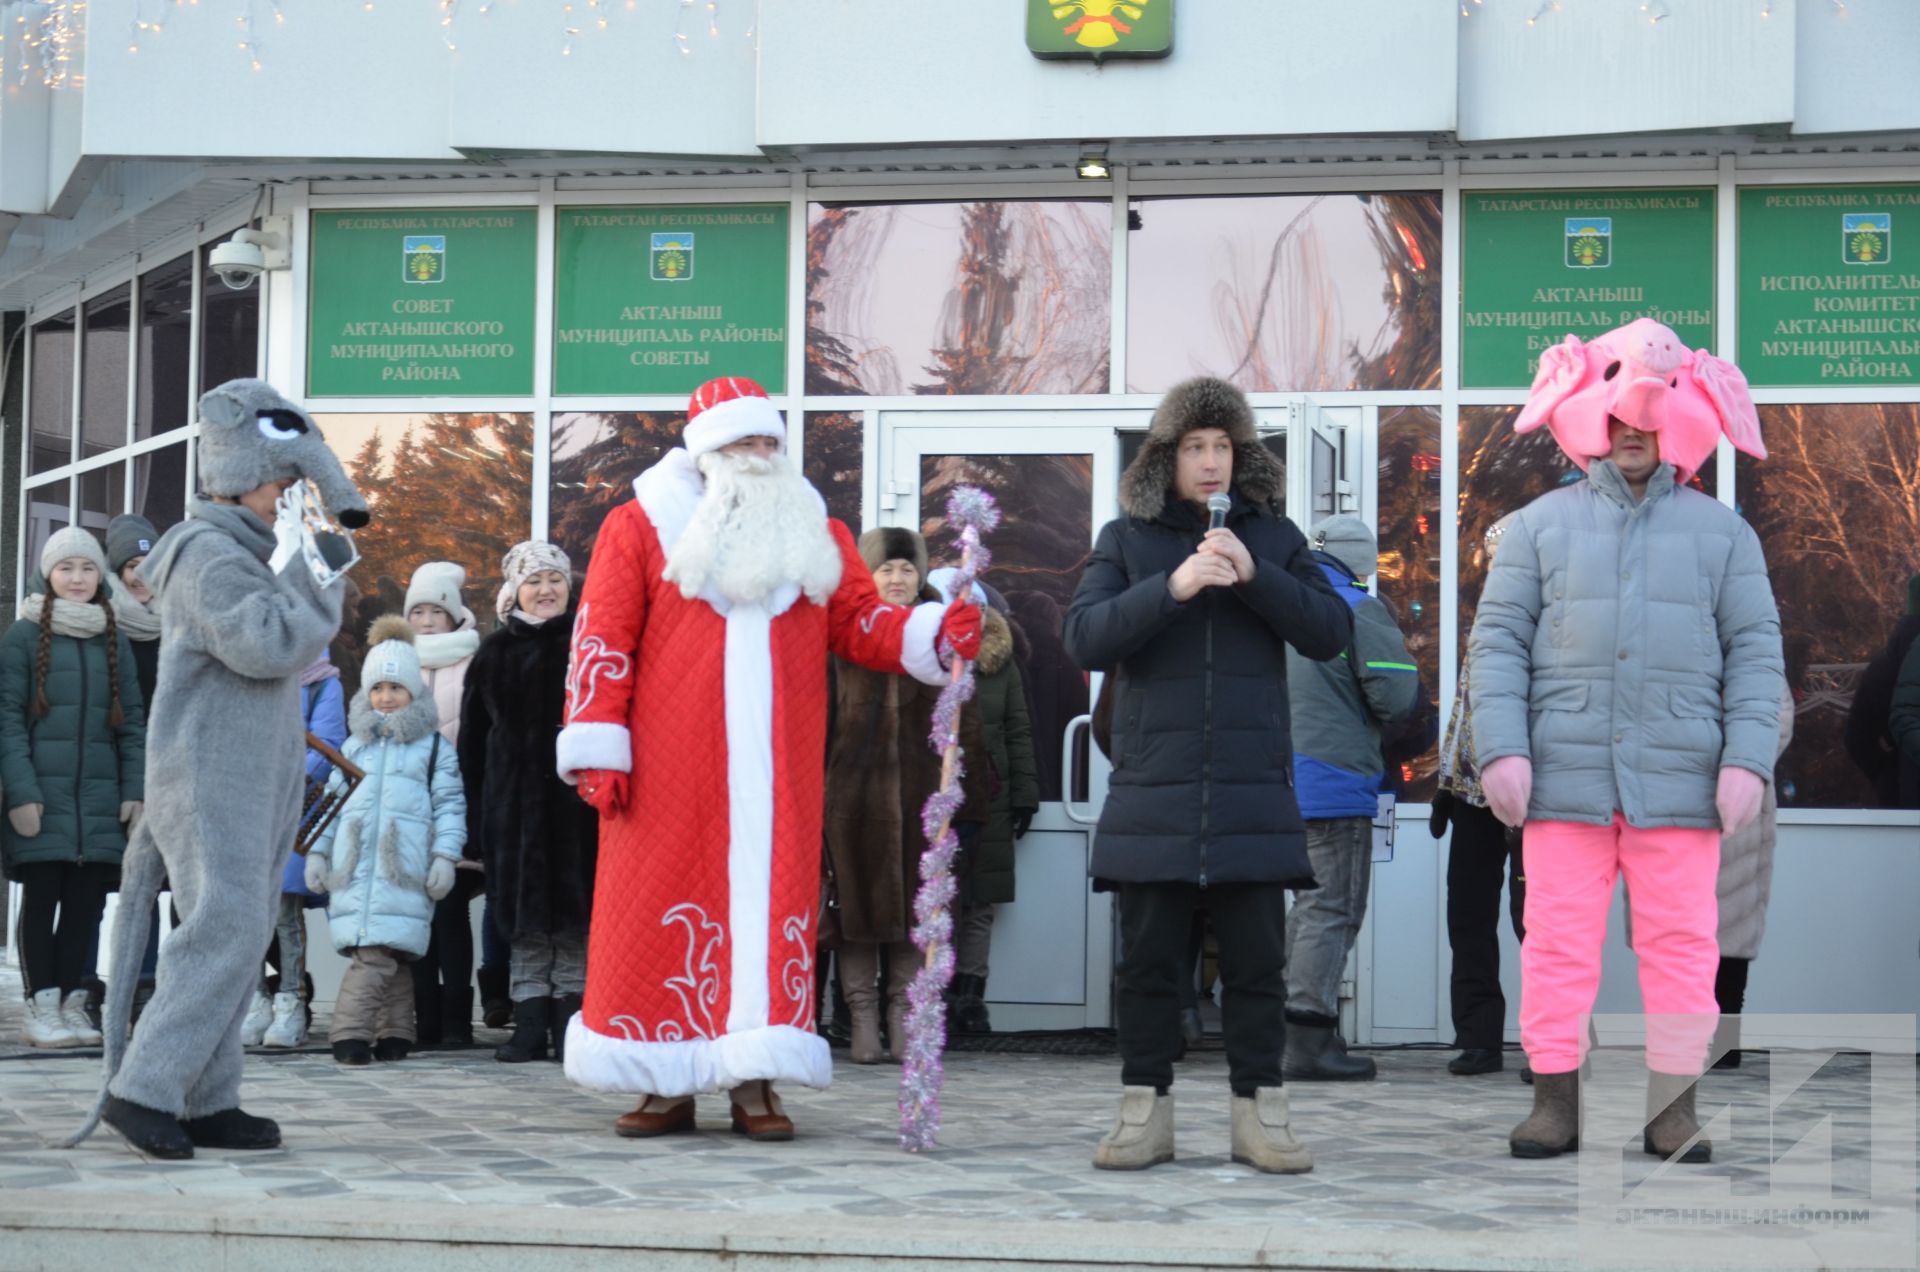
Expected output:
(130, 537)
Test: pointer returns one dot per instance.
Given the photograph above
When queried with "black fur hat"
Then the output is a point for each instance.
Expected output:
(1203, 402)
(893, 543)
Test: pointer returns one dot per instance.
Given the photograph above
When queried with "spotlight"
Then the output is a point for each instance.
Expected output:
(1093, 167)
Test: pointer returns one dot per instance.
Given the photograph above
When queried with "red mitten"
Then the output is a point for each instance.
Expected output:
(960, 628)
(605, 789)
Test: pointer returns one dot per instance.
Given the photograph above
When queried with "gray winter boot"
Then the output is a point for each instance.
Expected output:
(1554, 1126)
(1263, 1137)
(1143, 1135)
(1673, 1132)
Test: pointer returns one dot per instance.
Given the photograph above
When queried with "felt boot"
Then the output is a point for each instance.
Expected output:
(1673, 1132)
(1142, 1136)
(1553, 1127)
(1263, 1135)
(529, 1041)
(232, 1129)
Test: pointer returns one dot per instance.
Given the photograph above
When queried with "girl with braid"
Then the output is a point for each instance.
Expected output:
(72, 760)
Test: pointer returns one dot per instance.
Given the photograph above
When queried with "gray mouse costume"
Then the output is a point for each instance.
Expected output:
(225, 776)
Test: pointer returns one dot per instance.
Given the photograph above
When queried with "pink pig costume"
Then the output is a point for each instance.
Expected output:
(1627, 675)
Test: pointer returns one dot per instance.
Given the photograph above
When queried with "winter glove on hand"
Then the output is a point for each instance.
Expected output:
(1022, 821)
(316, 873)
(25, 819)
(286, 532)
(960, 630)
(1437, 817)
(604, 789)
(1738, 799)
(440, 878)
(130, 812)
(1508, 782)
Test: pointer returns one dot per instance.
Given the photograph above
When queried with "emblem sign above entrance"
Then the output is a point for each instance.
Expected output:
(1100, 29)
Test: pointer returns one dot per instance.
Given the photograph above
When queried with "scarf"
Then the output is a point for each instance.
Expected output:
(321, 668)
(78, 619)
(137, 619)
(443, 649)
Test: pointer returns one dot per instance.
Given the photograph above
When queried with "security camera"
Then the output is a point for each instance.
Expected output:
(238, 263)
(250, 253)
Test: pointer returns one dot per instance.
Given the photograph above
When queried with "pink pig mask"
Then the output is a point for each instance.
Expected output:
(1641, 375)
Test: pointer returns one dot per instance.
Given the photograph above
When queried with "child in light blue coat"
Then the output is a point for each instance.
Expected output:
(390, 854)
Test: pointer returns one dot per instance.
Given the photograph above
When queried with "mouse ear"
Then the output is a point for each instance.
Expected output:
(222, 408)
(1726, 388)
(1562, 367)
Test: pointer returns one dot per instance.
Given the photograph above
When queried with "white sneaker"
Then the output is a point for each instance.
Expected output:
(289, 1027)
(43, 1027)
(73, 1014)
(254, 1028)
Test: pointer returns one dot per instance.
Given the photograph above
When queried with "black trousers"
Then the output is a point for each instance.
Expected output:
(449, 957)
(61, 955)
(1483, 855)
(1156, 955)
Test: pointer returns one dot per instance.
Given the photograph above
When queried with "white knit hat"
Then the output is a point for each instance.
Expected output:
(72, 542)
(391, 656)
(727, 410)
(439, 583)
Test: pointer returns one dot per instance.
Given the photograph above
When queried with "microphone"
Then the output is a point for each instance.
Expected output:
(1217, 505)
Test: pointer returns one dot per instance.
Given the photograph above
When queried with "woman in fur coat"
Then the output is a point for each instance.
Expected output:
(880, 771)
(536, 837)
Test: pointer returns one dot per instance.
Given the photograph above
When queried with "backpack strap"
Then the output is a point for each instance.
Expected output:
(433, 758)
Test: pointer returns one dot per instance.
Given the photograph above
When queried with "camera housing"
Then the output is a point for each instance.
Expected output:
(251, 253)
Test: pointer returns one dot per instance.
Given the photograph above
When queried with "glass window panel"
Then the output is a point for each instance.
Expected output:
(161, 396)
(835, 461)
(1295, 293)
(103, 496)
(1409, 572)
(439, 487)
(596, 456)
(1837, 509)
(103, 372)
(951, 298)
(229, 328)
(51, 408)
(160, 485)
(1039, 550)
(47, 514)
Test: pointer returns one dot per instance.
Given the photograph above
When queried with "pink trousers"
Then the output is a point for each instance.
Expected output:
(1670, 887)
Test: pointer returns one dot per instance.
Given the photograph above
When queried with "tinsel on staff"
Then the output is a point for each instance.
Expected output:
(972, 513)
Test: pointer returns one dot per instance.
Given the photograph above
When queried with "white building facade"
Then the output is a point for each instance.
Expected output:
(500, 243)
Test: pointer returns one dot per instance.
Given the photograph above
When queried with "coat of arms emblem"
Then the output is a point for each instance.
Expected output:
(1589, 242)
(1866, 238)
(423, 257)
(671, 258)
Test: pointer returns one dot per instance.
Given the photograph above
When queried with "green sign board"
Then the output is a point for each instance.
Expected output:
(1100, 29)
(663, 299)
(433, 302)
(1830, 284)
(1537, 266)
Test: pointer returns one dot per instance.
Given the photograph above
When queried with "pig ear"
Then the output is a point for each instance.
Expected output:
(1561, 369)
(1726, 388)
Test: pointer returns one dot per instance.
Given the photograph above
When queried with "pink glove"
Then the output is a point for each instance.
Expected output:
(1738, 799)
(1508, 782)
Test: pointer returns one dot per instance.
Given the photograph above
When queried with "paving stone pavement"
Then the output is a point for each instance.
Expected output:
(1414, 1151)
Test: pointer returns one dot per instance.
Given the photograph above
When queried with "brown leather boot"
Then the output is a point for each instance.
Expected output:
(758, 1113)
(1673, 1131)
(1554, 1126)
(860, 983)
(657, 1115)
(903, 964)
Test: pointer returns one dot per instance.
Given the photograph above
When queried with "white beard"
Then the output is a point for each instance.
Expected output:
(758, 527)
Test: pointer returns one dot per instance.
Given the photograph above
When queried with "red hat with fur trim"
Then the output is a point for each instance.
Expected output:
(728, 409)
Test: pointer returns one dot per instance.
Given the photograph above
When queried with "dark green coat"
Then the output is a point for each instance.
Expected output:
(1002, 698)
(72, 763)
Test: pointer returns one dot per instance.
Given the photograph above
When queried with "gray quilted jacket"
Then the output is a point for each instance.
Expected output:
(1630, 650)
